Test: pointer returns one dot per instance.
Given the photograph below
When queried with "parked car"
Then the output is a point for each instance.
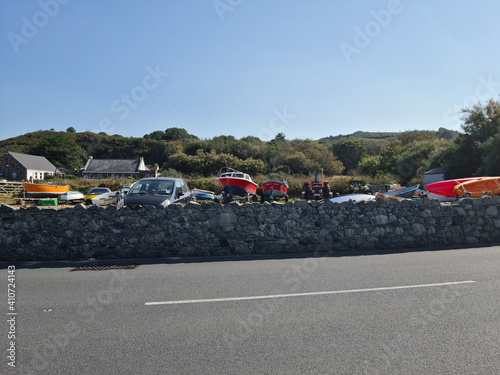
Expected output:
(159, 192)
(92, 193)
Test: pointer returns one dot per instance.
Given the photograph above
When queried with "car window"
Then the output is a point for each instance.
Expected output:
(165, 187)
(178, 187)
(140, 187)
(152, 187)
(98, 191)
(185, 188)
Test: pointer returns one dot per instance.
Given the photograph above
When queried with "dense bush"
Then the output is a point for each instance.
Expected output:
(475, 152)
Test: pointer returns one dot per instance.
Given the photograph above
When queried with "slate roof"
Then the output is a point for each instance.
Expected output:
(436, 171)
(34, 162)
(113, 166)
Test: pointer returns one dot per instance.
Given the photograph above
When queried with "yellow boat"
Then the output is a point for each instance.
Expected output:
(44, 190)
(478, 187)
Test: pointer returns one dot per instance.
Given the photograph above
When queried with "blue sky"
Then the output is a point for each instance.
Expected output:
(308, 69)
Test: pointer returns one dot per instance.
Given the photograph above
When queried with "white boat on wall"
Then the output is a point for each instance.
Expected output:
(114, 197)
(106, 199)
(352, 197)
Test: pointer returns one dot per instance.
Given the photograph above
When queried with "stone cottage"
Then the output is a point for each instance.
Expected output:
(23, 167)
(111, 168)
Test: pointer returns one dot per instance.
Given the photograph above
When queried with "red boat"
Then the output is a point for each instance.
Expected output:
(446, 188)
(237, 183)
(276, 187)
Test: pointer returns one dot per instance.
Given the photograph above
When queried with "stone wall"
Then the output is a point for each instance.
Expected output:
(212, 229)
(11, 169)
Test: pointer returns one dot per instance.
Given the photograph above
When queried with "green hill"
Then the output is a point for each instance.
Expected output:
(360, 135)
(176, 149)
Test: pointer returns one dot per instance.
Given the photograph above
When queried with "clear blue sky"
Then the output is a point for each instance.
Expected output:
(309, 69)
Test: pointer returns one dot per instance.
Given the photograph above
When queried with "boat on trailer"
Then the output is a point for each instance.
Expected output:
(275, 188)
(235, 183)
(44, 190)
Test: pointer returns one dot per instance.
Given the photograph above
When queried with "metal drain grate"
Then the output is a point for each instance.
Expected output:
(91, 267)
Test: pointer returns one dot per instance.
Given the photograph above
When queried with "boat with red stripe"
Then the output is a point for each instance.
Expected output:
(275, 188)
(235, 183)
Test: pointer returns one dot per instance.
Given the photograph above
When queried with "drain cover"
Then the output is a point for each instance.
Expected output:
(95, 267)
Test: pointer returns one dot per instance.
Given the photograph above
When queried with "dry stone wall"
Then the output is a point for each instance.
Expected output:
(213, 229)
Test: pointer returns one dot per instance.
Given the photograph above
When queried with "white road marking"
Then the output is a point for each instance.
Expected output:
(182, 302)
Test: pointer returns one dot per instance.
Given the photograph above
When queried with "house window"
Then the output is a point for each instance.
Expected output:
(36, 175)
(14, 175)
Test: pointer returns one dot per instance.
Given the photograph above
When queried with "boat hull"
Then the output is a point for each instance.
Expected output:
(352, 197)
(71, 196)
(478, 187)
(237, 186)
(446, 187)
(407, 192)
(106, 199)
(274, 188)
(44, 191)
(202, 194)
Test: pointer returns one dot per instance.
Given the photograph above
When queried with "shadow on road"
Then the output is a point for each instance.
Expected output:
(226, 258)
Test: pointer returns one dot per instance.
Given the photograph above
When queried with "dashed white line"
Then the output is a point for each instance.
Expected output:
(229, 299)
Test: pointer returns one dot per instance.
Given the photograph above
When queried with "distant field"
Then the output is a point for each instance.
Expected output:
(360, 135)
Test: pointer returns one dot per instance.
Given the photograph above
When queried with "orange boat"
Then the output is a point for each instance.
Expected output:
(44, 191)
(478, 187)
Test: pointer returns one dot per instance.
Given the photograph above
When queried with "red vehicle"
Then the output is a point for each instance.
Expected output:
(236, 183)
(316, 190)
(275, 187)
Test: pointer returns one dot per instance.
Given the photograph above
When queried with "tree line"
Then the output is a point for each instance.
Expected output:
(403, 157)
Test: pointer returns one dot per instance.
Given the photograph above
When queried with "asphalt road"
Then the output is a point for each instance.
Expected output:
(435, 312)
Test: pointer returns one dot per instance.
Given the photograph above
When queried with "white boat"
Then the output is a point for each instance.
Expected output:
(71, 196)
(107, 199)
(352, 197)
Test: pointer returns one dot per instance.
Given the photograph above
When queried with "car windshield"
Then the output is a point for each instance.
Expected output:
(98, 191)
(153, 187)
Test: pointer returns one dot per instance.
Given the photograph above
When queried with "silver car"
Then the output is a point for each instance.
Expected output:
(159, 192)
